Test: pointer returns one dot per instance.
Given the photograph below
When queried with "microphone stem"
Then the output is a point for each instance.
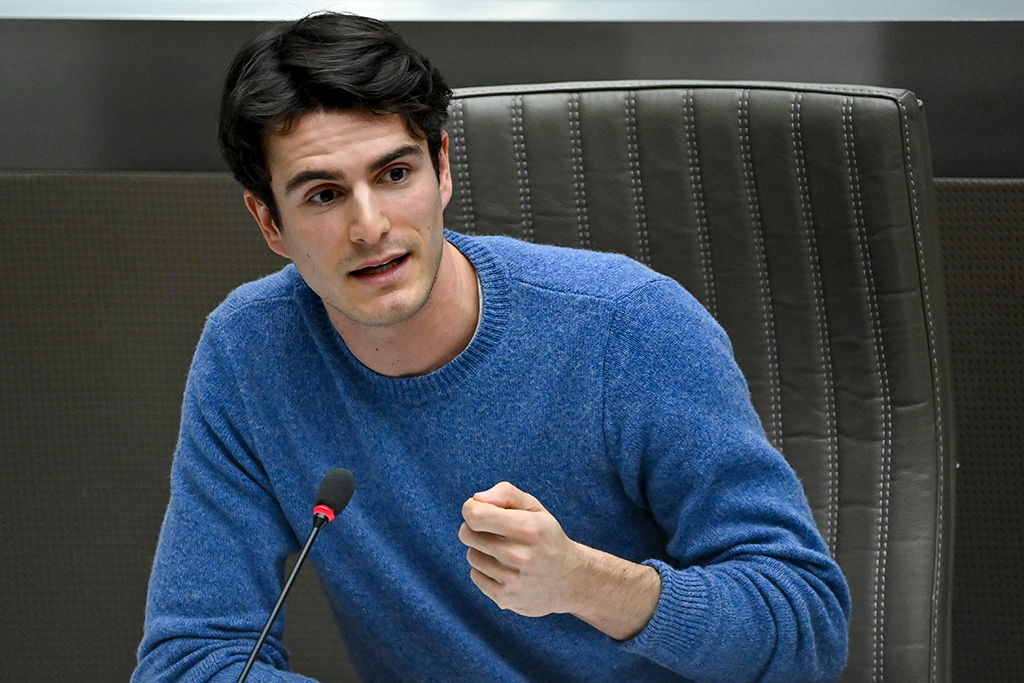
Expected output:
(319, 521)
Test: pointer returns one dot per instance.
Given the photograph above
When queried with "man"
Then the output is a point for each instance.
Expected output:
(574, 419)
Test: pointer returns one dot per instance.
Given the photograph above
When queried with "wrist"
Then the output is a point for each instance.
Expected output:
(618, 597)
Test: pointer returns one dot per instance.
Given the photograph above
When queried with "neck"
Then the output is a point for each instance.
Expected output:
(429, 339)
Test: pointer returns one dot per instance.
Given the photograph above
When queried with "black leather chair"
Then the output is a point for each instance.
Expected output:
(803, 218)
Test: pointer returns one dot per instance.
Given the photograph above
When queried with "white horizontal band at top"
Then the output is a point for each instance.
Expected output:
(525, 10)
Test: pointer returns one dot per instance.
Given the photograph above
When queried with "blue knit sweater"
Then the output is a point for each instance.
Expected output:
(593, 383)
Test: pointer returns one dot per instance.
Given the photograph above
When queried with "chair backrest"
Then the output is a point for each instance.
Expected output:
(803, 218)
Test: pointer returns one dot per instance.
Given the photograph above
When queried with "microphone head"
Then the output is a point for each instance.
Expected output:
(336, 490)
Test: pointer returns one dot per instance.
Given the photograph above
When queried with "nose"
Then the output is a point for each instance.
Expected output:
(369, 222)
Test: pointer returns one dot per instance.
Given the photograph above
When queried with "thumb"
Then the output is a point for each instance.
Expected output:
(505, 495)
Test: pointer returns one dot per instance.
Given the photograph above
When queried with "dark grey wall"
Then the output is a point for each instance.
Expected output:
(133, 95)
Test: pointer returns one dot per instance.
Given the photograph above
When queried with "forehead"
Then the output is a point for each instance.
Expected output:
(341, 140)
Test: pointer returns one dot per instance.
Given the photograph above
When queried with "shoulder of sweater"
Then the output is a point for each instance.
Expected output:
(570, 271)
(268, 290)
(647, 304)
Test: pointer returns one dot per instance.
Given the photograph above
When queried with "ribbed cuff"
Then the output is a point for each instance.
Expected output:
(679, 627)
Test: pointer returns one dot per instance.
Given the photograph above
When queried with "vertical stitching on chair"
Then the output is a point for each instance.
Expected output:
(689, 119)
(634, 174)
(929, 326)
(522, 174)
(884, 475)
(775, 428)
(577, 169)
(823, 336)
(462, 161)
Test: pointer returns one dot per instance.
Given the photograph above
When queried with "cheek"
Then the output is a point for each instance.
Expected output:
(423, 203)
(306, 253)
(312, 237)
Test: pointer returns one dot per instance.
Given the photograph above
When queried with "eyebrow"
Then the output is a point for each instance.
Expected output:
(403, 151)
(309, 176)
(317, 174)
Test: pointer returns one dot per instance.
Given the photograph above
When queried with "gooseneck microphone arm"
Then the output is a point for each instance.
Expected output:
(335, 491)
(284, 593)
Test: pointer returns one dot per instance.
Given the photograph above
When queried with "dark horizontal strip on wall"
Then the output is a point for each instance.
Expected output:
(142, 95)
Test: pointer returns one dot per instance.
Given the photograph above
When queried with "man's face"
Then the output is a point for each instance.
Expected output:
(360, 206)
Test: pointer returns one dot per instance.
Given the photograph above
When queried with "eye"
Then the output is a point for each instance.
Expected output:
(396, 174)
(324, 196)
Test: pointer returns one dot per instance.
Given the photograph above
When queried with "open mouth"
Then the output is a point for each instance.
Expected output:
(382, 268)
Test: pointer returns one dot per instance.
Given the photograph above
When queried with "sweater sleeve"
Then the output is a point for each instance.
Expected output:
(749, 590)
(220, 558)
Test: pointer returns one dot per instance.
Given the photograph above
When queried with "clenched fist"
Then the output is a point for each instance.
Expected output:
(522, 560)
(519, 555)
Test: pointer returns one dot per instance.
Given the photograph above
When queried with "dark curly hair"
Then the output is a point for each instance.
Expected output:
(323, 62)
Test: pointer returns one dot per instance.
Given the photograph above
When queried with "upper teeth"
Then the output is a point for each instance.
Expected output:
(381, 268)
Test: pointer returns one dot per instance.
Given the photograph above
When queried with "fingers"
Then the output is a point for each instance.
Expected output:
(488, 573)
(504, 585)
(488, 566)
(502, 519)
(487, 586)
(486, 518)
(505, 495)
(503, 510)
(499, 556)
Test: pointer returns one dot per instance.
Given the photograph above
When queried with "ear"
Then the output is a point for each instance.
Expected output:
(262, 214)
(444, 170)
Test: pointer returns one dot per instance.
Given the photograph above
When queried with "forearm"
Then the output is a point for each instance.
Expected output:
(204, 610)
(219, 561)
(615, 596)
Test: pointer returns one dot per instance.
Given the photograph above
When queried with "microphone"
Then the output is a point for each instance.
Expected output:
(335, 491)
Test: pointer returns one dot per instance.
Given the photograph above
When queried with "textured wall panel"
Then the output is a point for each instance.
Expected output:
(105, 283)
(982, 227)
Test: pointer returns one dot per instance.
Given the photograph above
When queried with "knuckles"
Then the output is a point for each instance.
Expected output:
(476, 513)
(467, 509)
(532, 530)
(518, 558)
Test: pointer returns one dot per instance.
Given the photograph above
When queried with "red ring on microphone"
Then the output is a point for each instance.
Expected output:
(325, 511)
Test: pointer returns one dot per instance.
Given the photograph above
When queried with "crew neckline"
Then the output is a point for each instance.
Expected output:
(493, 289)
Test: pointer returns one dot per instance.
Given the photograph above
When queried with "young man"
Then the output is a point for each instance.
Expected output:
(560, 473)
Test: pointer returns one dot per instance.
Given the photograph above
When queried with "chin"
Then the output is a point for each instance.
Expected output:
(386, 314)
